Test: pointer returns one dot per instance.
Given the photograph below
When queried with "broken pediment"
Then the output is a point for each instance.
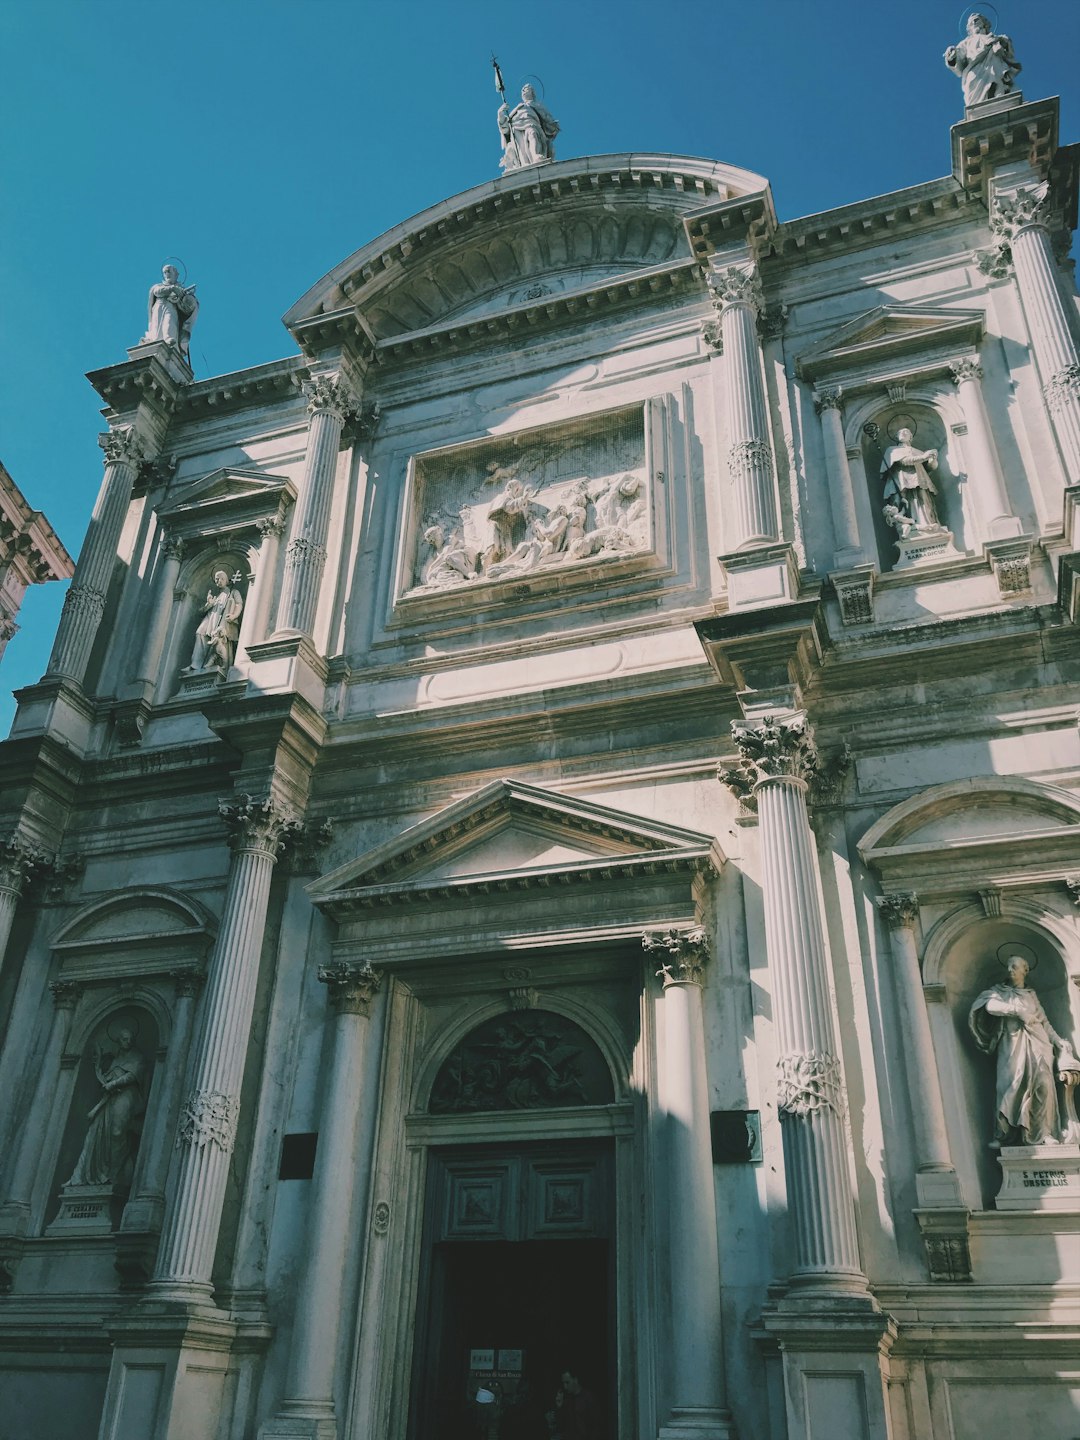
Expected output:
(888, 337)
(226, 499)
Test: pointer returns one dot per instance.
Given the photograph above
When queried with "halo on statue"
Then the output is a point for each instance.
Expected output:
(115, 1025)
(990, 11)
(899, 422)
(175, 260)
(528, 80)
(1014, 947)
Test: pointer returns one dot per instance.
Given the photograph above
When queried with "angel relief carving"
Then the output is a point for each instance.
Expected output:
(575, 494)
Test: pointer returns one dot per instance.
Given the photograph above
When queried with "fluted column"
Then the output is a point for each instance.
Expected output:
(777, 760)
(254, 624)
(829, 405)
(330, 402)
(697, 1351)
(737, 295)
(207, 1131)
(172, 554)
(309, 1387)
(1022, 217)
(19, 862)
(42, 1118)
(936, 1179)
(984, 466)
(84, 604)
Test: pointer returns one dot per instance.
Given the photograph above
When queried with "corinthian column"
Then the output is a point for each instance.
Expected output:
(777, 760)
(84, 604)
(19, 862)
(330, 401)
(829, 405)
(308, 1409)
(737, 295)
(985, 468)
(1022, 217)
(697, 1353)
(208, 1121)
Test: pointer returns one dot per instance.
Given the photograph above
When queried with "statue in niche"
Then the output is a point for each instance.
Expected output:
(909, 494)
(1008, 1020)
(171, 312)
(219, 628)
(115, 1121)
(452, 562)
(984, 62)
(528, 132)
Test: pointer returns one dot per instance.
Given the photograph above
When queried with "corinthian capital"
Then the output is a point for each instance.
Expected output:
(829, 399)
(899, 910)
(121, 446)
(19, 863)
(965, 369)
(736, 285)
(330, 395)
(352, 987)
(1016, 209)
(770, 749)
(681, 953)
(259, 825)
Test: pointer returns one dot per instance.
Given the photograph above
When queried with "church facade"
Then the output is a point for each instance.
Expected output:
(541, 876)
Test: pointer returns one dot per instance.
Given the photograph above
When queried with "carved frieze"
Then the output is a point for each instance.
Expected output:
(544, 500)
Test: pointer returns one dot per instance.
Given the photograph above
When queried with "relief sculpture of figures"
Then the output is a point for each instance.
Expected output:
(219, 629)
(984, 62)
(112, 1137)
(171, 312)
(1008, 1021)
(909, 494)
(528, 132)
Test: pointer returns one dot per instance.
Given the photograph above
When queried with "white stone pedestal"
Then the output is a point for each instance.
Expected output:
(84, 1210)
(1039, 1177)
(930, 547)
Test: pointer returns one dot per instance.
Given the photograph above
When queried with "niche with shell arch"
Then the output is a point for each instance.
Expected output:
(192, 596)
(966, 956)
(930, 417)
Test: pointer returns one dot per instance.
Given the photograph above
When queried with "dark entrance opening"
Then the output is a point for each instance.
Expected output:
(505, 1310)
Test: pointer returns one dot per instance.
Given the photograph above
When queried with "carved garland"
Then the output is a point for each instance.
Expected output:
(209, 1118)
(809, 1082)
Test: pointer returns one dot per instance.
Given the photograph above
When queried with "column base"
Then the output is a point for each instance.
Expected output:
(306, 1424)
(55, 706)
(288, 661)
(704, 1422)
(766, 575)
(939, 1190)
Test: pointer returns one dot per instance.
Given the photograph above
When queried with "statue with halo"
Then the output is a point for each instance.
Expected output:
(528, 129)
(171, 310)
(984, 62)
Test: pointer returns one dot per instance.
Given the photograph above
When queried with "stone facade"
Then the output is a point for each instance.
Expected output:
(537, 804)
(31, 552)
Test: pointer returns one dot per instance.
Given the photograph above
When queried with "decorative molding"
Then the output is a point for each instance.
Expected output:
(948, 1257)
(809, 1082)
(829, 398)
(899, 910)
(65, 993)
(1012, 570)
(712, 333)
(380, 1217)
(746, 456)
(772, 749)
(682, 954)
(1063, 387)
(330, 395)
(772, 322)
(121, 447)
(352, 987)
(259, 825)
(1019, 209)
(736, 285)
(209, 1118)
(990, 897)
(524, 997)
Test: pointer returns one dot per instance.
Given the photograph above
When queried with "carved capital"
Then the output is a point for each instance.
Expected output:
(682, 954)
(306, 839)
(773, 749)
(187, 980)
(271, 525)
(772, 321)
(172, 547)
(65, 993)
(899, 910)
(809, 1082)
(19, 864)
(261, 826)
(1072, 884)
(965, 369)
(830, 399)
(352, 987)
(329, 395)
(996, 262)
(8, 628)
(209, 1118)
(1018, 209)
(736, 285)
(712, 332)
(83, 600)
(121, 447)
(1063, 387)
(304, 554)
(747, 457)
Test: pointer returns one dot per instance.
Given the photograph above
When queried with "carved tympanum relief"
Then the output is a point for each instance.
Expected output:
(522, 1063)
(545, 499)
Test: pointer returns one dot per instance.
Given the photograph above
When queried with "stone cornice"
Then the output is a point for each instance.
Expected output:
(997, 137)
(243, 389)
(28, 541)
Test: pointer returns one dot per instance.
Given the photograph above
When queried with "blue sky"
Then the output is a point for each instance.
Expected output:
(263, 142)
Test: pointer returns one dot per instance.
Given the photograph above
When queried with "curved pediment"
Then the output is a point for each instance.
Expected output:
(527, 238)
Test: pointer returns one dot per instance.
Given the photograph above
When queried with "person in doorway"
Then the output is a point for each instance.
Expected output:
(574, 1415)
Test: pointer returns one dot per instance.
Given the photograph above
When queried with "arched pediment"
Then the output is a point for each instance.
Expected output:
(134, 932)
(573, 226)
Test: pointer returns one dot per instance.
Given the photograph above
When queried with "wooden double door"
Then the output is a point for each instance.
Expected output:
(517, 1289)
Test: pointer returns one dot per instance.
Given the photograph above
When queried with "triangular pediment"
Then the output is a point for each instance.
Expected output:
(511, 836)
(226, 499)
(891, 331)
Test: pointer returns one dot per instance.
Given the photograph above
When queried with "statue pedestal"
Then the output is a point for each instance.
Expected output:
(84, 1210)
(200, 682)
(928, 547)
(1039, 1177)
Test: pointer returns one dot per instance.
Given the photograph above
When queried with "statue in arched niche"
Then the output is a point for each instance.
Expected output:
(112, 1135)
(909, 495)
(219, 628)
(1008, 1021)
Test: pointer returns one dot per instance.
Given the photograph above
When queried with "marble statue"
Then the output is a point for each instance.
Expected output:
(510, 515)
(528, 132)
(171, 312)
(452, 560)
(984, 62)
(219, 629)
(1009, 1020)
(908, 489)
(112, 1136)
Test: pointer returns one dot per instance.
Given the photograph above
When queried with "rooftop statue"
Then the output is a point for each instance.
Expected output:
(171, 311)
(984, 62)
(528, 130)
